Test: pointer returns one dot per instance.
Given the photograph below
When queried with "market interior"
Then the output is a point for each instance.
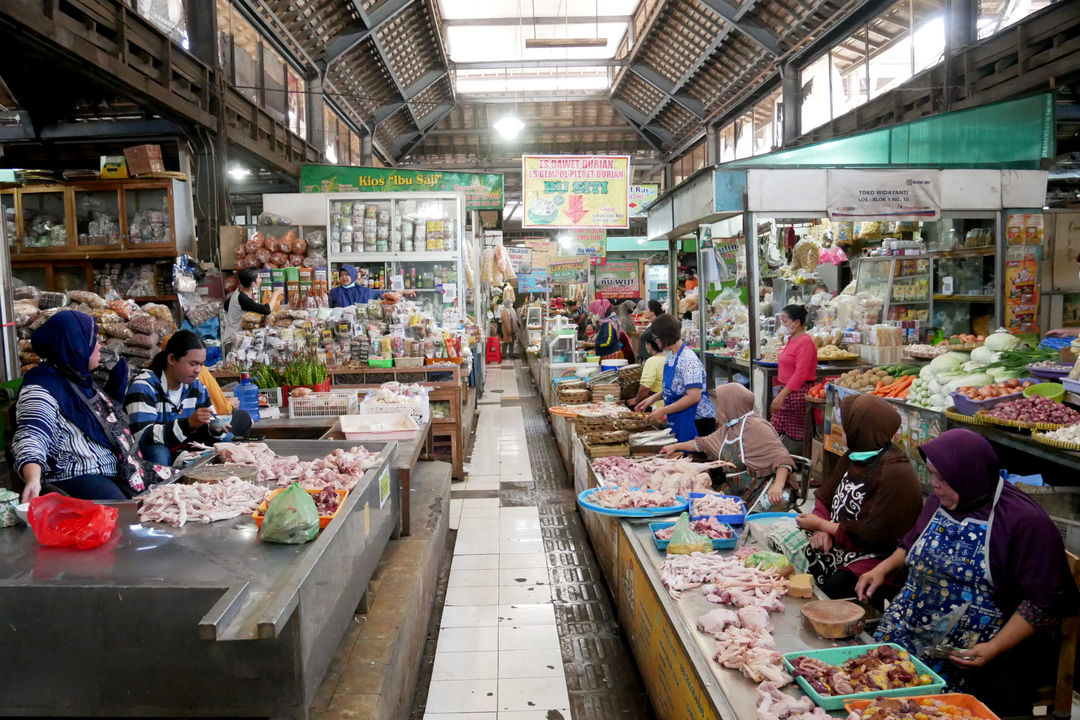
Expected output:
(540, 359)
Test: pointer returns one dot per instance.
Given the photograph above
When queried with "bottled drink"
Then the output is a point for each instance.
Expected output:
(247, 396)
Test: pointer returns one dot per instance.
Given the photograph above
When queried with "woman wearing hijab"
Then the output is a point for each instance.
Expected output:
(611, 340)
(866, 505)
(988, 580)
(243, 301)
(747, 441)
(69, 433)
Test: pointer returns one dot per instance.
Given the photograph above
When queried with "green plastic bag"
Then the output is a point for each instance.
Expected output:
(291, 518)
(685, 541)
(768, 560)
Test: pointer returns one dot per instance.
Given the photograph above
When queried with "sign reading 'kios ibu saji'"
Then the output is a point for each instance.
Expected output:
(482, 191)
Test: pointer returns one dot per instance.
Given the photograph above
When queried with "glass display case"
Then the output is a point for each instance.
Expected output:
(148, 216)
(417, 236)
(7, 209)
(97, 217)
(901, 283)
(44, 218)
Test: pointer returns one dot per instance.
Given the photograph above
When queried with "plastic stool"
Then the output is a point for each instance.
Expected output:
(494, 351)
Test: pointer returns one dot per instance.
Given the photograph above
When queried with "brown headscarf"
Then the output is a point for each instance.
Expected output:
(892, 498)
(763, 452)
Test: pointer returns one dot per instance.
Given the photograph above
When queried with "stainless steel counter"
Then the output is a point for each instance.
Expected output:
(193, 621)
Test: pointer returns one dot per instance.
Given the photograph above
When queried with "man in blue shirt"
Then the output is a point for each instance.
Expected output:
(348, 293)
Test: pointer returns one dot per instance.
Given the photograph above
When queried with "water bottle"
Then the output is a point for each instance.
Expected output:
(766, 503)
(247, 396)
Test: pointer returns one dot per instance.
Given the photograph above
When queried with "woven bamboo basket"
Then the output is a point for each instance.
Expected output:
(602, 390)
(574, 396)
(595, 451)
(588, 425)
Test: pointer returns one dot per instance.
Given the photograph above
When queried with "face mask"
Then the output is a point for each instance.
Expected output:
(785, 330)
(736, 421)
(863, 456)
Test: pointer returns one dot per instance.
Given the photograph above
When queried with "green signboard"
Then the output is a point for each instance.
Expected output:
(482, 192)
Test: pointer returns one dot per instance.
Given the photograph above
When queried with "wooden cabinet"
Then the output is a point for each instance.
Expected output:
(111, 219)
(58, 231)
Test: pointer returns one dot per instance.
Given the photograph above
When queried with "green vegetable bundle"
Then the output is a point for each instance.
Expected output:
(265, 377)
(900, 370)
(305, 369)
(1014, 362)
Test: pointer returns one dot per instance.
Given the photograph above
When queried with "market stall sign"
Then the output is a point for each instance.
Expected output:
(618, 280)
(883, 195)
(533, 282)
(482, 192)
(1022, 290)
(583, 242)
(673, 683)
(568, 270)
(543, 250)
(576, 191)
(520, 258)
(640, 197)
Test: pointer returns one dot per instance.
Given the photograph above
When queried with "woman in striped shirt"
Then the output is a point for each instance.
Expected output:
(69, 433)
(167, 405)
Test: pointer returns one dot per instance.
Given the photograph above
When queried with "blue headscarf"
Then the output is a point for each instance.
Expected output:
(351, 269)
(65, 343)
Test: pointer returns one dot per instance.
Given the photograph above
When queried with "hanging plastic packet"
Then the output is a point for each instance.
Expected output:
(685, 541)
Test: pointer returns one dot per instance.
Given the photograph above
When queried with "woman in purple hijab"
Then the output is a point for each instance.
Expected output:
(988, 582)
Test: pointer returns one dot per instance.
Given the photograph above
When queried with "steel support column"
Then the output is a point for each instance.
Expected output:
(202, 29)
(313, 109)
(789, 99)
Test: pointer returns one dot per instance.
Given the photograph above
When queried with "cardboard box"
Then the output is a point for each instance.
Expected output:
(144, 160)
(113, 167)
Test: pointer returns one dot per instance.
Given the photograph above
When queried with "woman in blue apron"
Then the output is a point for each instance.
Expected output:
(687, 408)
(988, 583)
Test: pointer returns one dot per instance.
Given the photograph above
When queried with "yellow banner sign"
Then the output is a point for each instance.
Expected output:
(575, 191)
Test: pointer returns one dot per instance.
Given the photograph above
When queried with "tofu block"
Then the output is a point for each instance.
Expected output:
(801, 586)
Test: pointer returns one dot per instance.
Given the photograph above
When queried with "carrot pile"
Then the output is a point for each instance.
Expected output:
(897, 389)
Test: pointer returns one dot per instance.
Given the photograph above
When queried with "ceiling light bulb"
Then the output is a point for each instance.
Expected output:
(239, 173)
(509, 127)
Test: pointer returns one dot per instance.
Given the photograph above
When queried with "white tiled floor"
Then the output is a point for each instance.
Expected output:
(498, 655)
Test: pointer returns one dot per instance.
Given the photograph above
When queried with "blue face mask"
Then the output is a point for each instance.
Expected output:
(864, 456)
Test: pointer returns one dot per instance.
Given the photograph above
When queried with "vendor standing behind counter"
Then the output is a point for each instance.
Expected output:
(797, 371)
(688, 410)
(981, 549)
(243, 301)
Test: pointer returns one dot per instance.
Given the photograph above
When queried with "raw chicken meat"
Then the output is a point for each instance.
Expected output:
(717, 504)
(711, 527)
(682, 572)
(678, 475)
(618, 498)
(776, 705)
(176, 504)
(755, 618)
(620, 471)
(715, 621)
(340, 470)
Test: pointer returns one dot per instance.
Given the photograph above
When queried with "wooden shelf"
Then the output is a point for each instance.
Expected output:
(155, 298)
(965, 298)
(28, 257)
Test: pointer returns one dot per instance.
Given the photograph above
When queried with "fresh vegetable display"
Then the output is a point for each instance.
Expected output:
(855, 380)
(817, 390)
(1052, 366)
(962, 340)
(920, 394)
(899, 388)
(925, 351)
(264, 376)
(1015, 362)
(1069, 435)
(987, 392)
(304, 369)
(1037, 409)
(900, 369)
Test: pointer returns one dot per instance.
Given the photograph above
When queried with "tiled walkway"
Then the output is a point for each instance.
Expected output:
(500, 654)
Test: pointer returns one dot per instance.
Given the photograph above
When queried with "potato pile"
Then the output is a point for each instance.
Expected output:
(855, 380)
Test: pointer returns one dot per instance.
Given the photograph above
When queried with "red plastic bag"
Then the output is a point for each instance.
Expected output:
(62, 521)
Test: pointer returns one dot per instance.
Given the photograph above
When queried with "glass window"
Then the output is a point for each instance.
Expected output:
(246, 44)
(928, 21)
(224, 17)
(168, 15)
(727, 143)
(354, 149)
(814, 93)
(330, 130)
(744, 136)
(767, 124)
(848, 59)
(297, 104)
(275, 99)
(343, 142)
(996, 15)
(890, 48)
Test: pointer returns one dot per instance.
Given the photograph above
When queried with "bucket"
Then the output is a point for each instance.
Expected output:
(1054, 391)
(612, 364)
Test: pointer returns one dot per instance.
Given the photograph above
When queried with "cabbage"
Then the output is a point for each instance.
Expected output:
(960, 357)
(927, 373)
(973, 366)
(1001, 341)
(945, 363)
(934, 387)
(983, 355)
(998, 373)
(939, 400)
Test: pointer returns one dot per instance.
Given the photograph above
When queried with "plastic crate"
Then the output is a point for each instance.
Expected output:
(837, 656)
(881, 354)
(329, 404)
(420, 411)
(728, 544)
(729, 519)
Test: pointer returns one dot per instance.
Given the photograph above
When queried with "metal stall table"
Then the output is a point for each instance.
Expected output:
(203, 620)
